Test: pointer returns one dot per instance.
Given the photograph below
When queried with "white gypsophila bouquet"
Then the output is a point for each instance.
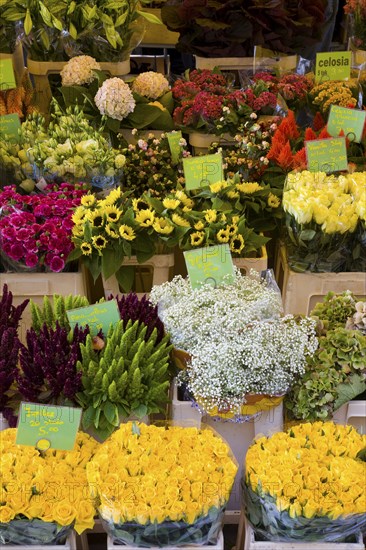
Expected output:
(79, 70)
(151, 85)
(264, 357)
(193, 315)
(114, 99)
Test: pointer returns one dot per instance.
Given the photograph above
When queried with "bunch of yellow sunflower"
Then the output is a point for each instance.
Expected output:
(173, 476)
(307, 483)
(47, 490)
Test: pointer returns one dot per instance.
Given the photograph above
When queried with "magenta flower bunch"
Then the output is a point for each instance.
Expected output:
(35, 230)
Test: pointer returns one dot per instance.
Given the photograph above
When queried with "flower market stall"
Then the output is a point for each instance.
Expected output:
(182, 274)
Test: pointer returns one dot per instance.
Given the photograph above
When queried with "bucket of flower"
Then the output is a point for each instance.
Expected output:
(162, 486)
(45, 494)
(305, 486)
(236, 344)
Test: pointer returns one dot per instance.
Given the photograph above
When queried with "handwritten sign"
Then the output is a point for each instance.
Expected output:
(351, 121)
(326, 155)
(97, 317)
(203, 171)
(210, 265)
(332, 66)
(7, 77)
(47, 426)
(174, 145)
(9, 126)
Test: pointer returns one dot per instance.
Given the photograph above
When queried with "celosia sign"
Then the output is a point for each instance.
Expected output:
(47, 426)
(97, 317)
(332, 66)
(203, 171)
(174, 139)
(326, 155)
(7, 78)
(210, 265)
(9, 126)
(350, 121)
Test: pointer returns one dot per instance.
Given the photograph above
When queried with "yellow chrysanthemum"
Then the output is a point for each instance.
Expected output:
(181, 195)
(86, 249)
(223, 236)
(178, 220)
(163, 226)
(111, 231)
(218, 186)
(199, 225)
(237, 244)
(145, 217)
(171, 204)
(88, 200)
(99, 242)
(233, 194)
(127, 232)
(197, 238)
(273, 201)
(248, 188)
(112, 213)
(210, 216)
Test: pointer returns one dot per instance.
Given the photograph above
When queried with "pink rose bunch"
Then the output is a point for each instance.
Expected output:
(35, 230)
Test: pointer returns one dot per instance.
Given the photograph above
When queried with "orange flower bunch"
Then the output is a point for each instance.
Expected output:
(18, 100)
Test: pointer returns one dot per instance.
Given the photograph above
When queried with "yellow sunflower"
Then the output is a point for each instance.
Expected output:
(113, 196)
(88, 200)
(218, 186)
(163, 226)
(223, 236)
(111, 231)
(86, 249)
(171, 204)
(197, 238)
(273, 201)
(248, 188)
(127, 232)
(99, 242)
(79, 215)
(145, 217)
(95, 217)
(178, 220)
(112, 213)
(199, 225)
(139, 204)
(237, 244)
(232, 229)
(210, 216)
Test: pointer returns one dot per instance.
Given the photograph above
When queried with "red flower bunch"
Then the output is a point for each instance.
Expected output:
(292, 87)
(35, 230)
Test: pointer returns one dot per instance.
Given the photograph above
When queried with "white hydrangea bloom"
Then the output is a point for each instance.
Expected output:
(151, 85)
(79, 70)
(114, 99)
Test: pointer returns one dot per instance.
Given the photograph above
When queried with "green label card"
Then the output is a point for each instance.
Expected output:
(332, 66)
(47, 426)
(7, 77)
(327, 155)
(9, 126)
(202, 171)
(175, 149)
(209, 265)
(98, 316)
(351, 121)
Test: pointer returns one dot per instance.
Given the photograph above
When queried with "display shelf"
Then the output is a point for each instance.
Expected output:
(70, 544)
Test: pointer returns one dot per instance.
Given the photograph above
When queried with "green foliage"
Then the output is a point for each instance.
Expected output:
(129, 376)
(55, 310)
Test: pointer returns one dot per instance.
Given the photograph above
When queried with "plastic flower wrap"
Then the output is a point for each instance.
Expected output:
(114, 99)
(45, 494)
(79, 70)
(162, 486)
(321, 217)
(151, 85)
(306, 484)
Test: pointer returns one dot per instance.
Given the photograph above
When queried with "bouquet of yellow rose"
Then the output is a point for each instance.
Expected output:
(322, 215)
(307, 484)
(44, 494)
(162, 485)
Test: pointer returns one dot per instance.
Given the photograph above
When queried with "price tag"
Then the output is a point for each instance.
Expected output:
(9, 126)
(7, 77)
(175, 149)
(332, 66)
(97, 316)
(47, 426)
(351, 121)
(210, 265)
(203, 171)
(326, 155)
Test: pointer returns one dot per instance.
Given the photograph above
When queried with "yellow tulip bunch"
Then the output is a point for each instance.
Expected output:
(51, 486)
(146, 474)
(310, 471)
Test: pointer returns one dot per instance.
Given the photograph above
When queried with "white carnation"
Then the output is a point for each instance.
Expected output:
(114, 99)
(151, 85)
(79, 70)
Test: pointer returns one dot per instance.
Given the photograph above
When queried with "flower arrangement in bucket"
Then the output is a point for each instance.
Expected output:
(357, 10)
(35, 230)
(306, 484)
(236, 340)
(178, 497)
(36, 510)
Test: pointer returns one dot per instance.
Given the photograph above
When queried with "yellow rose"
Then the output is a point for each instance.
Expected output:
(6, 514)
(84, 516)
(64, 513)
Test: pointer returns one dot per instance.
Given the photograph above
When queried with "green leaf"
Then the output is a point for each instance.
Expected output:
(111, 413)
(121, 19)
(143, 116)
(150, 17)
(135, 429)
(72, 30)
(361, 455)
(167, 101)
(347, 392)
(125, 277)
(307, 234)
(140, 411)
(88, 417)
(142, 256)
(28, 23)
(111, 261)
(74, 255)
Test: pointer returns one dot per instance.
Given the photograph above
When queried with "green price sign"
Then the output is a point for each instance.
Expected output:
(174, 145)
(9, 126)
(332, 66)
(47, 426)
(210, 265)
(351, 121)
(203, 171)
(326, 155)
(97, 317)
(7, 77)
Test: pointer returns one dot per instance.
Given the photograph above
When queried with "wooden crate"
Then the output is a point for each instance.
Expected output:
(218, 546)
(155, 271)
(354, 413)
(158, 35)
(301, 291)
(252, 544)
(70, 544)
(224, 63)
(246, 264)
